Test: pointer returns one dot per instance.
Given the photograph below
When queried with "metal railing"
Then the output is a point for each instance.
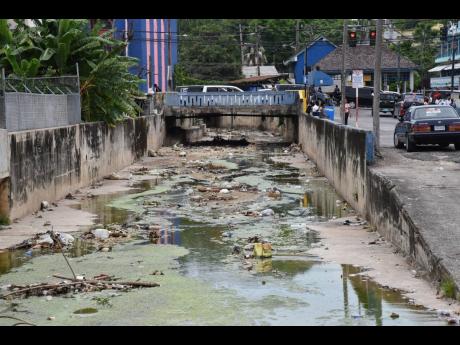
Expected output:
(237, 99)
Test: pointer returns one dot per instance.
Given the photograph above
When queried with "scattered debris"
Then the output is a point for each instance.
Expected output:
(100, 234)
(70, 196)
(151, 153)
(115, 176)
(394, 315)
(67, 285)
(267, 212)
(44, 205)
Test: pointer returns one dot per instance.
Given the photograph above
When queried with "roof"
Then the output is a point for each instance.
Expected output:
(259, 79)
(302, 51)
(251, 71)
(363, 57)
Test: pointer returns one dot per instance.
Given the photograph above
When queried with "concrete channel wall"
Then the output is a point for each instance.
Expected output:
(342, 154)
(47, 164)
(339, 153)
(285, 126)
(4, 173)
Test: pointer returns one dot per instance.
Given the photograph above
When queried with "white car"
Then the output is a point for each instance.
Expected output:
(208, 88)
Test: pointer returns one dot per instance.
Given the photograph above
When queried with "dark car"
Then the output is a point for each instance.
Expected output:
(365, 94)
(428, 124)
(388, 103)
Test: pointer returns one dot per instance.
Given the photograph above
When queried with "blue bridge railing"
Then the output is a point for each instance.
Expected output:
(237, 99)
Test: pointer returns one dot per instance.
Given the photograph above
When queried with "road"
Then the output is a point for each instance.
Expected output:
(387, 124)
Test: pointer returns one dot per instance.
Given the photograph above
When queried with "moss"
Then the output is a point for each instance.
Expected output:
(448, 288)
(4, 220)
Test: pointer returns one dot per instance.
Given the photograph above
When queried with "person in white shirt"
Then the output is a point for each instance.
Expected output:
(315, 109)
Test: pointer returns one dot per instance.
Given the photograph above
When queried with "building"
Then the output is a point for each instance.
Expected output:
(154, 42)
(317, 50)
(441, 74)
(362, 57)
(251, 71)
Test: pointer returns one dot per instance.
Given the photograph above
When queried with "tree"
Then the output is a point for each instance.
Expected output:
(53, 47)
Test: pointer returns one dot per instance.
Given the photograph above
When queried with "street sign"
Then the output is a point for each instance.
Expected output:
(357, 78)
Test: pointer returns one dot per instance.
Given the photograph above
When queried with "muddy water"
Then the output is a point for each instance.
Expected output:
(204, 282)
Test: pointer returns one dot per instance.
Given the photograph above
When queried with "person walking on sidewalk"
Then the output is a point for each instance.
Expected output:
(347, 111)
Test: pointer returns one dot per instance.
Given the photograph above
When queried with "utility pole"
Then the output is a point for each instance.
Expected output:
(257, 50)
(305, 69)
(241, 46)
(297, 34)
(343, 75)
(377, 78)
(454, 48)
(399, 68)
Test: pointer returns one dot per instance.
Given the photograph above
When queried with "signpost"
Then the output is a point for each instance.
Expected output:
(357, 80)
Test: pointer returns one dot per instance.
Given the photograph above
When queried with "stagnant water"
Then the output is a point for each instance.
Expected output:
(204, 283)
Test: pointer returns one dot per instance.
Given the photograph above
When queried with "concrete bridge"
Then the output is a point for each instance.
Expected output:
(203, 105)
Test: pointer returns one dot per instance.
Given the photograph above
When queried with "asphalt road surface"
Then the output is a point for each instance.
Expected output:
(387, 123)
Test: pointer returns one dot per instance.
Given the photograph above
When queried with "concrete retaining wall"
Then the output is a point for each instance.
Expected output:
(340, 154)
(49, 163)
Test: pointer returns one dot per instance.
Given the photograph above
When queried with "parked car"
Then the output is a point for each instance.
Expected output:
(289, 87)
(388, 103)
(208, 88)
(428, 124)
(365, 95)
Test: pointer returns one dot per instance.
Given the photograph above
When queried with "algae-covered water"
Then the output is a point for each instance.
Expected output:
(204, 281)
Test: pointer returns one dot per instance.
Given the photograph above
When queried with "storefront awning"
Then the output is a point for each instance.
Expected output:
(438, 68)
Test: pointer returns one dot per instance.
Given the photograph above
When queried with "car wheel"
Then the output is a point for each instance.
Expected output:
(457, 146)
(396, 142)
(410, 146)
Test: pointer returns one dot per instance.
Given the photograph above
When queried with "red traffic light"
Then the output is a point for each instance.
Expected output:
(352, 38)
(373, 34)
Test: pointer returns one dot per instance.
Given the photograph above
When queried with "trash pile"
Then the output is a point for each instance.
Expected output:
(46, 240)
(68, 285)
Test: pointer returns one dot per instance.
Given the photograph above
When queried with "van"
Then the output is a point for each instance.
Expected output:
(208, 88)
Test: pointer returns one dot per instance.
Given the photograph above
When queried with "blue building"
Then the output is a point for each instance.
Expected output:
(317, 50)
(440, 75)
(154, 42)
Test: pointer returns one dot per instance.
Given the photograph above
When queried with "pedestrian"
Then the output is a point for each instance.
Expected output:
(315, 109)
(347, 111)
(425, 101)
(156, 88)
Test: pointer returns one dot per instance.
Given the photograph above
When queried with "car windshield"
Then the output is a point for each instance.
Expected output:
(435, 113)
(387, 97)
(290, 87)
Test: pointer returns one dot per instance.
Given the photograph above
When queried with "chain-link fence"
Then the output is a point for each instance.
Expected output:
(33, 103)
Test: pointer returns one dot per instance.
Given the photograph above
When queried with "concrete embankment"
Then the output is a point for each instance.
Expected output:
(344, 155)
(47, 164)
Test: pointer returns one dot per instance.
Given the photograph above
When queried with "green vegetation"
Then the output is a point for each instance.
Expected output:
(53, 47)
(209, 49)
(4, 220)
(448, 288)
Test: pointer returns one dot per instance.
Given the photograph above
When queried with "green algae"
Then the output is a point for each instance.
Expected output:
(178, 299)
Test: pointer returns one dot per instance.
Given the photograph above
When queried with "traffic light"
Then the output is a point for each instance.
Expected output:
(372, 36)
(444, 31)
(352, 38)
